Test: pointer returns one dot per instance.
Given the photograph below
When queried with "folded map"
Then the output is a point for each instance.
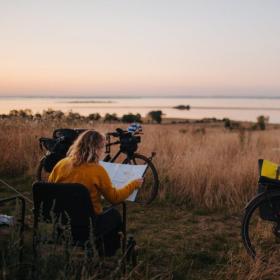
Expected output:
(122, 174)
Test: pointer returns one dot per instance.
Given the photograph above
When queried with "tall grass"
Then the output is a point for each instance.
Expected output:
(240, 268)
(201, 166)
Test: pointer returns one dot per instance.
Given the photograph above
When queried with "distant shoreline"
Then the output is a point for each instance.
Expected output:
(192, 107)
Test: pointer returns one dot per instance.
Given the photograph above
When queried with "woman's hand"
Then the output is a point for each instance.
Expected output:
(139, 182)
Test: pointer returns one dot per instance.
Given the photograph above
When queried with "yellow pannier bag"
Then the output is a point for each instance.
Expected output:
(269, 181)
(269, 169)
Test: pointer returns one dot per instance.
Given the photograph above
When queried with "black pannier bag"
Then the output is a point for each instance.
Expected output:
(269, 181)
(58, 146)
(129, 143)
(51, 160)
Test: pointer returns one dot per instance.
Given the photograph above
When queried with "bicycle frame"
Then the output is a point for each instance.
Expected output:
(108, 150)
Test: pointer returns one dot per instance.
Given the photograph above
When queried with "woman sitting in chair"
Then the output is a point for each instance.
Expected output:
(82, 166)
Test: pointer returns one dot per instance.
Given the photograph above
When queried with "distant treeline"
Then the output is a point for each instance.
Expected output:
(151, 117)
(50, 114)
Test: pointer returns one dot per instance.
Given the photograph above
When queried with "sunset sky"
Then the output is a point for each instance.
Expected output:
(149, 47)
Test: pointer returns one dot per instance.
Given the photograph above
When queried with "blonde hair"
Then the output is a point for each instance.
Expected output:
(84, 149)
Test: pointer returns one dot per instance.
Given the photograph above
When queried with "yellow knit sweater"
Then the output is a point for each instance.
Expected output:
(95, 178)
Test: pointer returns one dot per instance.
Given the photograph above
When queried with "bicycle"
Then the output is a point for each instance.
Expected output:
(260, 229)
(57, 147)
(128, 145)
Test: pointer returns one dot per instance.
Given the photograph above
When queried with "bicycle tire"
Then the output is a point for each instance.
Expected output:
(155, 184)
(255, 205)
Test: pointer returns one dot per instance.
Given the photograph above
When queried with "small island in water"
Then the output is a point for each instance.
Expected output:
(182, 107)
(90, 102)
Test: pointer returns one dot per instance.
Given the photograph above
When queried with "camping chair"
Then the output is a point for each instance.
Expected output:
(69, 203)
(20, 221)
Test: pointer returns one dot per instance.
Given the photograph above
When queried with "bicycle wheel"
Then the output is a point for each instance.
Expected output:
(148, 191)
(261, 225)
(41, 174)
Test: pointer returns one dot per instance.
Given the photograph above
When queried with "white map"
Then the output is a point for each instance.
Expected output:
(122, 174)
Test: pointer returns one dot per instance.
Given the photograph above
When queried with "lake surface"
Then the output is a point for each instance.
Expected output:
(246, 109)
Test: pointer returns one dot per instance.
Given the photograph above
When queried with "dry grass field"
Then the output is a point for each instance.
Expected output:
(200, 166)
(207, 174)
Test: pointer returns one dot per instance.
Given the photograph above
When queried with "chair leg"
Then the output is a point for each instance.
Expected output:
(124, 248)
(134, 257)
(22, 225)
(35, 240)
(132, 251)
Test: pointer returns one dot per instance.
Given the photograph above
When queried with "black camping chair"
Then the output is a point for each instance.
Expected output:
(64, 204)
(68, 203)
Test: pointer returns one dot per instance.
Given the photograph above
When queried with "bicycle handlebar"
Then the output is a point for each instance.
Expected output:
(119, 132)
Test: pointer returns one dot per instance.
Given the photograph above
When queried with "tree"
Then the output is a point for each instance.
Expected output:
(111, 117)
(51, 114)
(130, 118)
(26, 113)
(94, 117)
(73, 116)
(262, 121)
(227, 123)
(156, 116)
(13, 113)
(38, 116)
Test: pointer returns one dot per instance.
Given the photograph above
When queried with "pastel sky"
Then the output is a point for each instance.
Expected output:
(135, 47)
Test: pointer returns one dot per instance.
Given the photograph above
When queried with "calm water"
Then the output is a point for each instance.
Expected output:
(233, 108)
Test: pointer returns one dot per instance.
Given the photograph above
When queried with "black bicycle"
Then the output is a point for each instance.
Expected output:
(261, 221)
(128, 145)
(56, 149)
